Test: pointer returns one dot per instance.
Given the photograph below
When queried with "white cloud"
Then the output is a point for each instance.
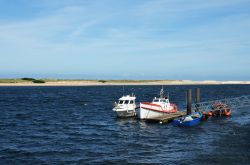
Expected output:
(76, 36)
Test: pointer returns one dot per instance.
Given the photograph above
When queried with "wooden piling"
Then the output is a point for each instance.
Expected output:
(189, 101)
(197, 98)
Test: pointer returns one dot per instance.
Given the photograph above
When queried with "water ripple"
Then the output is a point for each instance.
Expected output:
(75, 125)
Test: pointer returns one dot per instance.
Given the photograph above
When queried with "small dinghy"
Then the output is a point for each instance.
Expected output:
(220, 109)
(189, 120)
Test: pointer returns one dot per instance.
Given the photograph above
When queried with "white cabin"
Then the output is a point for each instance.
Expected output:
(125, 100)
(163, 102)
(126, 106)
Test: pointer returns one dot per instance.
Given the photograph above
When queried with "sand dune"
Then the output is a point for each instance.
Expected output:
(120, 82)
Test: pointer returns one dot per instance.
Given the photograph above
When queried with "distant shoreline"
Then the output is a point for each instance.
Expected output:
(48, 82)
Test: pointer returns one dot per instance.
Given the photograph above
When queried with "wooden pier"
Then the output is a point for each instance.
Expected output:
(168, 117)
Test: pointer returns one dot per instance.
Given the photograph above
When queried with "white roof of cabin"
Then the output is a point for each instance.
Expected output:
(128, 97)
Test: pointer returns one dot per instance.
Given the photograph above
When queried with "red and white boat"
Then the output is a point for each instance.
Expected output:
(157, 108)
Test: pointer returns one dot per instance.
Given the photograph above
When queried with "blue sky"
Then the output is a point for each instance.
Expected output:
(125, 39)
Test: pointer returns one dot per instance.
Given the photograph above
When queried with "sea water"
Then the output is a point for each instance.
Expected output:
(76, 125)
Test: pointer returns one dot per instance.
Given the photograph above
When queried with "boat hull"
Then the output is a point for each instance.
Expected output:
(125, 113)
(151, 111)
(144, 113)
(187, 123)
(181, 122)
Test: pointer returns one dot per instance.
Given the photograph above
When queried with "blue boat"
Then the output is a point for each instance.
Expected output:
(189, 120)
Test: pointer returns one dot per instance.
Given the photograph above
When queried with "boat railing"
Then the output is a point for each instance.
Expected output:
(233, 103)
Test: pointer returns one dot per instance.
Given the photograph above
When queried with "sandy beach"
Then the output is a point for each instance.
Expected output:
(119, 82)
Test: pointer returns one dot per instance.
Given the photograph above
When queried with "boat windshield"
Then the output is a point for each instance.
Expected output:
(126, 101)
(160, 100)
(131, 101)
(120, 102)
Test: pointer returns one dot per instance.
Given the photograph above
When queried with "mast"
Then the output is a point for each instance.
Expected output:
(162, 92)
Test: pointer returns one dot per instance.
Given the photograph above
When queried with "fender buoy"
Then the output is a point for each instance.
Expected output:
(210, 113)
(227, 112)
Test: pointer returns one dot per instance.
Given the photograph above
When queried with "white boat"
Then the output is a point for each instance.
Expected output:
(157, 108)
(126, 106)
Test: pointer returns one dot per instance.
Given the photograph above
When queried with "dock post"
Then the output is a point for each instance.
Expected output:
(197, 99)
(189, 101)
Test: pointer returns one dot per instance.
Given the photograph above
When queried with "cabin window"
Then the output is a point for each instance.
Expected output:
(131, 101)
(126, 102)
(120, 102)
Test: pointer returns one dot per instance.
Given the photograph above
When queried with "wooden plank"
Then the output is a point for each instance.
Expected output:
(168, 117)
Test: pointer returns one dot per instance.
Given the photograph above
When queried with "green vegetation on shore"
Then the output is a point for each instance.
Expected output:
(22, 80)
(33, 80)
(38, 81)
(18, 80)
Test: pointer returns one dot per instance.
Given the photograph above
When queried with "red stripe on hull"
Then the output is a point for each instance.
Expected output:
(163, 111)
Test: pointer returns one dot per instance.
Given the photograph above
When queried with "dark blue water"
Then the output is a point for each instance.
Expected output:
(75, 125)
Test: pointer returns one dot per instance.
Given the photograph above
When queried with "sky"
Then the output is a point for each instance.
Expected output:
(125, 39)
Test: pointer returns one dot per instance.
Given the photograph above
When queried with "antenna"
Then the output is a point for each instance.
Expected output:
(162, 92)
(123, 90)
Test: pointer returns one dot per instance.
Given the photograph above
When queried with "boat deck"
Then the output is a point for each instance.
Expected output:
(168, 117)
